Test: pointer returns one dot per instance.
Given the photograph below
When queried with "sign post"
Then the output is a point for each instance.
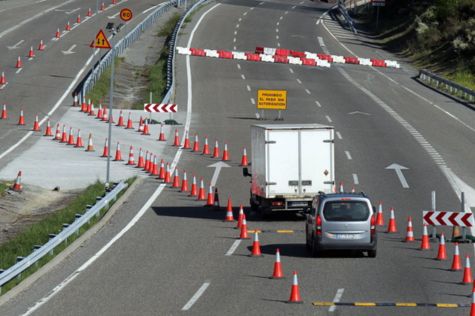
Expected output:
(378, 4)
(272, 100)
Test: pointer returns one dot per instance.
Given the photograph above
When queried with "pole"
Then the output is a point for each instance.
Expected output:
(434, 229)
(150, 114)
(111, 97)
(377, 18)
(462, 205)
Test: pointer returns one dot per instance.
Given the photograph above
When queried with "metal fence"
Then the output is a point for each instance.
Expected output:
(55, 240)
(447, 85)
(346, 15)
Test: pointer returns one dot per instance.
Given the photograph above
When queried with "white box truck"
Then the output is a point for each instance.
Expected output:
(290, 164)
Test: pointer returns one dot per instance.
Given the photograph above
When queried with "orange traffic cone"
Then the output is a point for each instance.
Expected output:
(48, 131)
(176, 141)
(353, 190)
(425, 244)
(19, 63)
(105, 152)
(161, 136)
(205, 147)
(225, 153)
(187, 142)
(216, 150)
(456, 266)
(184, 183)
(4, 114)
(111, 118)
(118, 153)
(380, 216)
(105, 115)
(89, 12)
(244, 161)
(67, 27)
(147, 161)
(201, 191)
(277, 274)
(57, 134)
(240, 217)
(442, 253)
(57, 35)
(392, 228)
(79, 143)
(154, 166)
(176, 179)
(140, 129)
(100, 112)
(167, 174)
(146, 130)
(196, 144)
(229, 211)
(341, 187)
(103, 6)
(41, 46)
(210, 199)
(17, 185)
(21, 120)
(36, 125)
(90, 145)
(129, 123)
(141, 161)
(3, 79)
(295, 291)
(131, 161)
(409, 230)
(161, 172)
(91, 111)
(64, 135)
(467, 272)
(243, 234)
(31, 53)
(71, 137)
(256, 246)
(194, 189)
(78, 19)
(472, 308)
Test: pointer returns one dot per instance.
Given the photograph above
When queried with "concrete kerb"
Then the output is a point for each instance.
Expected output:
(72, 247)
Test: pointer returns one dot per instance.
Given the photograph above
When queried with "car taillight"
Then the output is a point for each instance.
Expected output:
(319, 225)
(373, 225)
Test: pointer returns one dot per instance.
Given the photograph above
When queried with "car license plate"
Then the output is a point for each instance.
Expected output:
(346, 236)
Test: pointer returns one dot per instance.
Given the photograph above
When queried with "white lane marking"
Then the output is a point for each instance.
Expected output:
(18, 25)
(234, 47)
(348, 155)
(70, 50)
(293, 7)
(233, 247)
(328, 119)
(72, 11)
(338, 295)
(147, 204)
(248, 88)
(291, 70)
(19, 70)
(16, 45)
(252, 8)
(299, 81)
(286, 12)
(240, 19)
(278, 44)
(40, 1)
(281, 18)
(149, 9)
(243, 77)
(318, 22)
(398, 168)
(234, 40)
(235, 32)
(261, 3)
(318, 104)
(237, 25)
(277, 37)
(320, 41)
(253, 101)
(301, 2)
(238, 66)
(277, 30)
(245, 13)
(114, 16)
(339, 135)
(277, 23)
(195, 297)
(355, 179)
(308, 91)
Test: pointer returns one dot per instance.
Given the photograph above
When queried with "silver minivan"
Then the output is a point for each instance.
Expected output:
(341, 221)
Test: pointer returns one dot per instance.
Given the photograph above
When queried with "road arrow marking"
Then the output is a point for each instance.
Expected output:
(72, 11)
(16, 45)
(399, 174)
(218, 166)
(114, 16)
(70, 50)
(359, 112)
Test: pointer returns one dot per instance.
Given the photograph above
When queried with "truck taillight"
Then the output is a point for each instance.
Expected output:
(319, 225)
(277, 203)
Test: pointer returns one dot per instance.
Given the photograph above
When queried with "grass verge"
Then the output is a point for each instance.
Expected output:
(38, 233)
(101, 88)
(3, 187)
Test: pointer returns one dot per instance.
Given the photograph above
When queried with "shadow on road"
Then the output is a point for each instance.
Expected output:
(299, 250)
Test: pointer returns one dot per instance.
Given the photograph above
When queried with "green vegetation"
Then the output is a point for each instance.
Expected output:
(101, 88)
(38, 233)
(3, 187)
(438, 35)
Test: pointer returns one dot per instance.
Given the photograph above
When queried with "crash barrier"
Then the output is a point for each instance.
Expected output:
(448, 86)
(56, 239)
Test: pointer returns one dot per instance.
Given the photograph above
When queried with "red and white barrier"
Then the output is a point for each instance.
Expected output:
(462, 219)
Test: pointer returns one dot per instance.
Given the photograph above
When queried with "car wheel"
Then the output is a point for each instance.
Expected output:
(307, 243)
(315, 251)
(372, 253)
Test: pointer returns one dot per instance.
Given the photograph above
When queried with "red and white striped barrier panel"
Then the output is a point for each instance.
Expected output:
(330, 58)
(312, 60)
(434, 218)
(162, 107)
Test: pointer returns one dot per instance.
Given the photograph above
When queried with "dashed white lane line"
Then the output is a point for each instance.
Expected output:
(235, 32)
(252, 8)
(291, 70)
(281, 18)
(240, 19)
(233, 247)
(278, 44)
(308, 91)
(234, 47)
(348, 155)
(278, 23)
(19, 70)
(261, 3)
(355, 179)
(245, 13)
(277, 30)
(248, 88)
(320, 41)
(243, 77)
(277, 37)
(238, 66)
(338, 295)
(234, 40)
(286, 12)
(318, 104)
(328, 119)
(253, 101)
(299, 81)
(196, 296)
(339, 135)
(293, 7)
(237, 25)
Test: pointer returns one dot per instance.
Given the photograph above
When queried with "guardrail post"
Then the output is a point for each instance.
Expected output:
(433, 200)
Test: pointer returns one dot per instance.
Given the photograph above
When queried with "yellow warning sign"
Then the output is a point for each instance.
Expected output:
(272, 99)
(101, 41)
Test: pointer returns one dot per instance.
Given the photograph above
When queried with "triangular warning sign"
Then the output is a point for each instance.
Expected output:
(101, 41)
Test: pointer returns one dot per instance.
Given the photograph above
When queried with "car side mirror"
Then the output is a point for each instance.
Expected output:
(245, 172)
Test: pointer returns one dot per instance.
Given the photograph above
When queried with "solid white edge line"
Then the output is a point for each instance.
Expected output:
(328, 118)
(144, 208)
(233, 247)
(338, 295)
(348, 155)
(339, 135)
(196, 296)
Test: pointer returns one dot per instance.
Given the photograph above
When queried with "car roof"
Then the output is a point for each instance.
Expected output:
(344, 195)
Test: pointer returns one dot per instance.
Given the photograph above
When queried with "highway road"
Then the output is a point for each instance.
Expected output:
(173, 255)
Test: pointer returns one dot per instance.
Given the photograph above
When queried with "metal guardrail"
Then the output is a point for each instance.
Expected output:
(446, 85)
(73, 228)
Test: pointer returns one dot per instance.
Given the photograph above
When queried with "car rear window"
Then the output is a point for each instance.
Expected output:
(346, 211)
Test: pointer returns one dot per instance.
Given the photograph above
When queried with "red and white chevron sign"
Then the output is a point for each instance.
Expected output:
(162, 107)
(461, 219)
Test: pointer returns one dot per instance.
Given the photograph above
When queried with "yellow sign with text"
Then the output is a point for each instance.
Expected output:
(272, 99)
